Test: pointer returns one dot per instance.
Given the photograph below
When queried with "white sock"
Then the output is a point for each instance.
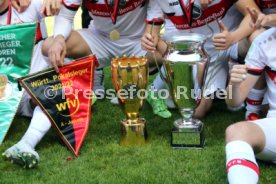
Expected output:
(241, 164)
(158, 83)
(254, 101)
(38, 127)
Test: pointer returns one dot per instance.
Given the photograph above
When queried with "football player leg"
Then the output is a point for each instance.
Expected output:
(157, 103)
(23, 153)
(242, 147)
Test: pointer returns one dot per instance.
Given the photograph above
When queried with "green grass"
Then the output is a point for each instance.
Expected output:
(103, 160)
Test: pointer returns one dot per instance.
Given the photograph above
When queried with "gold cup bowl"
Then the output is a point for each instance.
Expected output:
(130, 79)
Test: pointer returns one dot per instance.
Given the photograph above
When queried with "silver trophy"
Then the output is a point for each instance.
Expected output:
(185, 53)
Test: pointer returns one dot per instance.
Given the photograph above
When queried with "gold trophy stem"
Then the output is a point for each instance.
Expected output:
(134, 132)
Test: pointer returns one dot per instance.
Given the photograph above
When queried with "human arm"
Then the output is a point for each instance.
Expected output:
(155, 19)
(259, 20)
(21, 5)
(62, 29)
(225, 39)
(51, 7)
(244, 77)
(205, 3)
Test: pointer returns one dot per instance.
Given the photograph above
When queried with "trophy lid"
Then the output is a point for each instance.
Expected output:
(184, 47)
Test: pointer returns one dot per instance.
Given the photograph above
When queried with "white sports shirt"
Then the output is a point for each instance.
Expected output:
(262, 57)
(170, 11)
(31, 14)
(267, 6)
(130, 20)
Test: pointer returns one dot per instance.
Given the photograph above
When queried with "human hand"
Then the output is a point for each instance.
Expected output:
(238, 74)
(149, 42)
(51, 7)
(258, 19)
(57, 52)
(20, 5)
(205, 3)
(224, 39)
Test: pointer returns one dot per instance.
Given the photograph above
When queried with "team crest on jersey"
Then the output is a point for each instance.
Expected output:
(197, 12)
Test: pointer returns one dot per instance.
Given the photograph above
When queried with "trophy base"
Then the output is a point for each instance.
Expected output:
(134, 133)
(188, 134)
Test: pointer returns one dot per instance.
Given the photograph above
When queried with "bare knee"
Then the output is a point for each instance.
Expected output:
(76, 46)
(46, 45)
(203, 108)
(247, 132)
(236, 131)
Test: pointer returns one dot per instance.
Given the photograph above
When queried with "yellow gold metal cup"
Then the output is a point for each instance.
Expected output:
(3, 84)
(130, 79)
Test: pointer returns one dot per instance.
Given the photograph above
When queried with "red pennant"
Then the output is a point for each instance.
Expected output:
(66, 98)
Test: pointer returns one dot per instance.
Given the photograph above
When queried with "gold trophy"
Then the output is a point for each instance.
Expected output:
(130, 79)
(185, 52)
(3, 84)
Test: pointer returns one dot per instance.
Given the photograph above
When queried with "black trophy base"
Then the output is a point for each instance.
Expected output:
(188, 135)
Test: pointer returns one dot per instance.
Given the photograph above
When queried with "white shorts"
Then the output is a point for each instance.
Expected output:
(39, 63)
(106, 49)
(268, 125)
(218, 69)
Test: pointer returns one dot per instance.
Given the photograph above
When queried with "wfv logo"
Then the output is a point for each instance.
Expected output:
(72, 105)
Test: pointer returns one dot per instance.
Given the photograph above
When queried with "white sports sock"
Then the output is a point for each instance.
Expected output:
(158, 83)
(254, 101)
(241, 164)
(38, 127)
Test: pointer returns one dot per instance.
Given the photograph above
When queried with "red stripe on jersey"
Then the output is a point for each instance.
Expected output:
(243, 162)
(254, 102)
(100, 10)
(210, 14)
(70, 6)
(271, 74)
(255, 71)
(266, 4)
(155, 21)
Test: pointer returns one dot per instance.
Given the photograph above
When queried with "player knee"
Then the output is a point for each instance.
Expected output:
(46, 45)
(237, 131)
(203, 108)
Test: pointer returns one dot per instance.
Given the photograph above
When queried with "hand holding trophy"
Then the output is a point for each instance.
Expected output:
(130, 79)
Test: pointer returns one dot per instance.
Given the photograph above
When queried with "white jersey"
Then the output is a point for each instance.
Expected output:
(130, 20)
(262, 57)
(31, 14)
(171, 12)
(267, 6)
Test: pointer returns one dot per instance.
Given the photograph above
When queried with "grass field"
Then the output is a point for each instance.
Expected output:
(103, 160)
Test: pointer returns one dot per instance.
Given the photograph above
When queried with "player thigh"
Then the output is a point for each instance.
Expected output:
(268, 126)
(39, 62)
(99, 45)
(77, 46)
(243, 131)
